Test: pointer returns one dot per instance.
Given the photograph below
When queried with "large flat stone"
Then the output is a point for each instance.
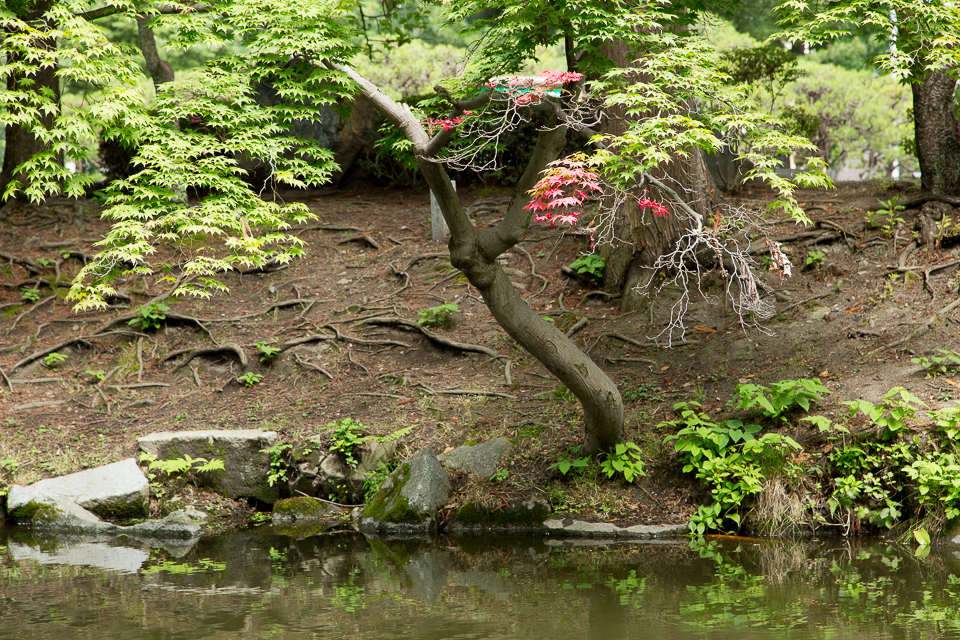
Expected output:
(118, 490)
(246, 467)
(569, 527)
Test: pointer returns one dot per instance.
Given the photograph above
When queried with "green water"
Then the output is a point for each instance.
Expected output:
(259, 584)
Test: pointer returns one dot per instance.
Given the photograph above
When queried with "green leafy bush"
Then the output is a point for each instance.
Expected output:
(267, 353)
(250, 379)
(780, 397)
(151, 316)
(54, 360)
(948, 362)
(166, 476)
(589, 267)
(729, 458)
(438, 316)
(571, 463)
(625, 460)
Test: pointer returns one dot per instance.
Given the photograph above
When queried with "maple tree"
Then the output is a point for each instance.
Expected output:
(302, 50)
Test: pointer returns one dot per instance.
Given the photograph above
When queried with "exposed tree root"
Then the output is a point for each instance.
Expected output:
(803, 302)
(465, 392)
(925, 326)
(580, 324)
(410, 324)
(615, 360)
(361, 237)
(277, 305)
(533, 270)
(28, 311)
(9, 384)
(309, 365)
(228, 348)
(40, 354)
(26, 263)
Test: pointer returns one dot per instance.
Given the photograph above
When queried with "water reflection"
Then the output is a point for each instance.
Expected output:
(260, 584)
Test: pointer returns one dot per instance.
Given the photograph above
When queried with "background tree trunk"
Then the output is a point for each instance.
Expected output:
(640, 238)
(21, 143)
(938, 133)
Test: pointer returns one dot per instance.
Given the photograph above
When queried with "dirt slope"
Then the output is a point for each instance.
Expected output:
(353, 302)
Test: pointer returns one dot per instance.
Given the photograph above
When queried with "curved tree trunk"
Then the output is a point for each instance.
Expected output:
(938, 133)
(474, 251)
(640, 238)
(21, 143)
(471, 251)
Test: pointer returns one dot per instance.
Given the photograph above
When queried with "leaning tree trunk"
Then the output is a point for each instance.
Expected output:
(21, 143)
(938, 134)
(639, 238)
(474, 251)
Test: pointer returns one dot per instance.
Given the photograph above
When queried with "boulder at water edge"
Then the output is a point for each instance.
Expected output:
(115, 491)
(409, 501)
(246, 468)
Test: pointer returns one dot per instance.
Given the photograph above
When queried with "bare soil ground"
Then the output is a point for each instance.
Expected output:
(354, 302)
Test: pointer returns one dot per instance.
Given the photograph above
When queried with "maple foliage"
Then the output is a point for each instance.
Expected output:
(646, 203)
(567, 184)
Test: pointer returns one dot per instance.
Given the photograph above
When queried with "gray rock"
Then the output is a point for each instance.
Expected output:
(324, 474)
(301, 508)
(117, 490)
(576, 528)
(246, 467)
(410, 499)
(177, 526)
(59, 513)
(481, 459)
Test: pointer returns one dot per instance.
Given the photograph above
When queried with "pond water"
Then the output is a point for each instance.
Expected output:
(259, 584)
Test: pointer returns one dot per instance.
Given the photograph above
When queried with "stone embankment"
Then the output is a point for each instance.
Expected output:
(413, 500)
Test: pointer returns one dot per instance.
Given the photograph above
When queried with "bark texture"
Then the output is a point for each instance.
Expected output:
(21, 142)
(640, 238)
(938, 133)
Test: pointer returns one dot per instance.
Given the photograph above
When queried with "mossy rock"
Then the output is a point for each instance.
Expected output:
(410, 499)
(303, 509)
(523, 517)
(36, 512)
